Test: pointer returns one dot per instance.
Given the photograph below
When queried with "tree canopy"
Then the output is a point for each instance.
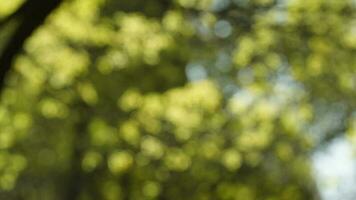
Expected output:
(181, 99)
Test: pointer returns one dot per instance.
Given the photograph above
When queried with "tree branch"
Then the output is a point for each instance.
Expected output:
(31, 15)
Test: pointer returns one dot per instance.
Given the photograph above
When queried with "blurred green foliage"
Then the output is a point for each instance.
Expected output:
(181, 99)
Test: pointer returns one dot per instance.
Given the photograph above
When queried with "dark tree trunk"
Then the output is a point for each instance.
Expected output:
(30, 16)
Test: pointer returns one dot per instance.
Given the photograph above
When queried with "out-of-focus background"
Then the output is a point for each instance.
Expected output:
(178, 99)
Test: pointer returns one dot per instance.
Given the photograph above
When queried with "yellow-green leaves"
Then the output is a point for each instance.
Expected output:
(7, 7)
(88, 93)
(62, 63)
(130, 100)
(152, 147)
(151, 189)
(177, 160)
(141, 39)
(198, 4)
(129, 132)
(91, 160)
(175, 22)
(10, 167)
(6, 139)
(120, 162)
(183, 99)
(53, 108)
(231, 159)
(101, 134)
